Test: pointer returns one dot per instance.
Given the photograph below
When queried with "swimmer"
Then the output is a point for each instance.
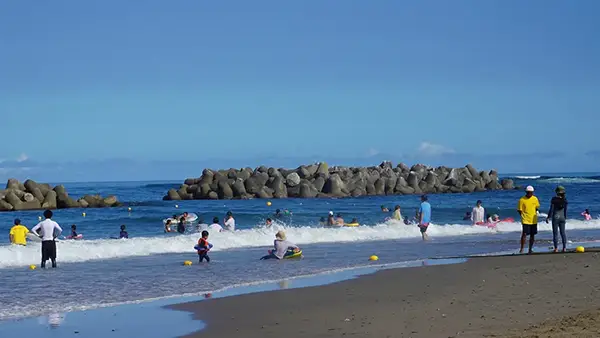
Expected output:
(277, 213)
(339, 219)
(384, 209)
(354, 221)
(330, 219)
(73, 230)
(123, 233)
(467, 216)
(181, 225)
(168, 226)
(268, 222)
(586, 215)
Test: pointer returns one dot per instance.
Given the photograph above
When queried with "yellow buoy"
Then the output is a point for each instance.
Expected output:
(39, 218)
(176, 206)
(269, 203)
(373, 258)
(187, 263)
(129, 209)
(32, 267)
(83, 214)
(580, 249)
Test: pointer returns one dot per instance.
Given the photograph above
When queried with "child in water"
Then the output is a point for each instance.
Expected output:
(586, 215)
(73, 231)
(384, 209)
(282, 247)
(123, 233)
(203, 247)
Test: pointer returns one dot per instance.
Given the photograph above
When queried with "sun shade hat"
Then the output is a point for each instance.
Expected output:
(529, 189)
(560, 189)
(280, 234)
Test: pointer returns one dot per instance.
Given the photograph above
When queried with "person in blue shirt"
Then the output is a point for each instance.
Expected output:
(424, 217)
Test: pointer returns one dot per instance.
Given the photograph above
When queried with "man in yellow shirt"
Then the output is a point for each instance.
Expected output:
(528, 207)
(18, 233)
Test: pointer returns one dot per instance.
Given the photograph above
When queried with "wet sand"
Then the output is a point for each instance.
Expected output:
(552, 295)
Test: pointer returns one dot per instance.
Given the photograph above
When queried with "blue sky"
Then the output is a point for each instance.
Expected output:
(154, 89)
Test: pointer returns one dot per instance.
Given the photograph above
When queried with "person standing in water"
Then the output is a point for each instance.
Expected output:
(18, 233)
(527, 208)
(397, 214)
(49, 231)
(558, 215)
(229, 221)
(478, 214)
(424, 217)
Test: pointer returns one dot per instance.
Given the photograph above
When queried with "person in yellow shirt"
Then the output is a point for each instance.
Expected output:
(528, 208)
(18, 233)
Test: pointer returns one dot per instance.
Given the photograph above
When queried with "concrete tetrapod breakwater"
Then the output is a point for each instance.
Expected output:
(31, 196)
(320, 180)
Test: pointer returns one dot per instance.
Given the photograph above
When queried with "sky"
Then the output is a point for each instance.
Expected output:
(122, 90)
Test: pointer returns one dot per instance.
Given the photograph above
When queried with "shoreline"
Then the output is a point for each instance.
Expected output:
(486, 297)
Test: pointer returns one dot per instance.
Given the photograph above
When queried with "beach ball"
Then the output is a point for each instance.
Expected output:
(187, 263)
(32, 267)
(373, 258)
(83, 214)
(580, 249)
(176, 206)
(129, 209)
(269, 203)
(39, 218)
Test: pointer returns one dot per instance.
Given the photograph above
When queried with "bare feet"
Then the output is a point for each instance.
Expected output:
(564, 250)
(555, 250)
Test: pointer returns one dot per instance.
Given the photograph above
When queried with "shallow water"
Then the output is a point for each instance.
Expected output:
(98, 271)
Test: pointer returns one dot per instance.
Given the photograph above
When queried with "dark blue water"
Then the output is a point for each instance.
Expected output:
(99, 271)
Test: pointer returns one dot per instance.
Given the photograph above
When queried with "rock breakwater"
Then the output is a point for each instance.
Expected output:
(31, 195)
(320, 180)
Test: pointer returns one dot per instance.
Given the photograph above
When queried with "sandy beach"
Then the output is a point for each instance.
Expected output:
(550, 295)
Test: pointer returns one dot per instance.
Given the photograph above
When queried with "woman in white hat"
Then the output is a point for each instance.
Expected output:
(282, 247)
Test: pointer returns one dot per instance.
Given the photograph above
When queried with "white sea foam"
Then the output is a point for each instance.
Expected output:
(528, 177)
(572, 180)
(86, 250)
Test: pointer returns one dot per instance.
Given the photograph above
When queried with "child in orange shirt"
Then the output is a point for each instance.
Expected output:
(203, 247)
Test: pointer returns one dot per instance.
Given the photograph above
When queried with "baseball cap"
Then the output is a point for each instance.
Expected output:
(529, 189)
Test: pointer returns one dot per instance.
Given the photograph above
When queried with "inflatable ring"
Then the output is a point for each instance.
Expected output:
(351, 225)
(292, 254)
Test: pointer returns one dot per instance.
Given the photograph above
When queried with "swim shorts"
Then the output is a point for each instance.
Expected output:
(423, 227)
(530, 229)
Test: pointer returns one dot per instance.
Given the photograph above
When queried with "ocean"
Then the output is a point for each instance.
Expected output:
(99, 271)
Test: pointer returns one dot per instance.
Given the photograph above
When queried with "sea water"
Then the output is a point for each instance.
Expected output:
(98, 271)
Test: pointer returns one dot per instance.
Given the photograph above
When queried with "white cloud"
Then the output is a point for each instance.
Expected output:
(22, 158)
(431, 149)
